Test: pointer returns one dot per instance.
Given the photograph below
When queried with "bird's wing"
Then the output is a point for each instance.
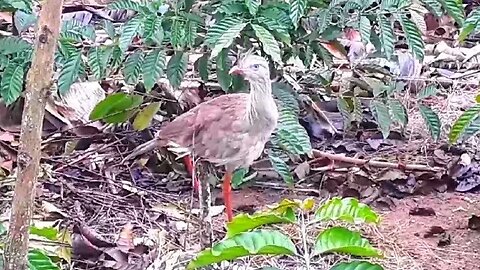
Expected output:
(211, 128)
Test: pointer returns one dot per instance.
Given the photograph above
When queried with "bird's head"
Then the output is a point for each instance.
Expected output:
(253, 68)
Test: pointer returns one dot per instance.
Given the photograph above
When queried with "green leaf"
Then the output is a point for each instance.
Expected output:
(261, 242)
(365, 29)
(190, 33)
(472, 22)
(37, 260)
(291, 135)
(49, 233)
(129, 31)
(178, 34)
(297, 10)
(153, 31)
(281, 168)
(428, 91)
(357, 265)
(434, 6)
(382, 116)
(176, 68)
(342, 240)
(70, 71)
(24, 20)
(109, 28)
(133, 67)
(269, 44)
(431, 120)
(116, 108)
(226, 38)
(280, 31)
(238, 177)
(243, 222)
(222, 68)
(153, 66)
(11, 86)
(10, 45)
(125, 4)
(386, 35)
(117, 57)
(463, 122)
(203, 67)
(398, 112)
(96, 62)
(252, 6)
(285, 94)
(454, 8)
(145, 116)
(346, 209)
(3, 230)
(413, 36)
(219, 29)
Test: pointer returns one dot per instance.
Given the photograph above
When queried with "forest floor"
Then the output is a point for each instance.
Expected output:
(426, 224)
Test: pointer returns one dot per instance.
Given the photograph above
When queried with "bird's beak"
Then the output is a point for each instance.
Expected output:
(235, 70)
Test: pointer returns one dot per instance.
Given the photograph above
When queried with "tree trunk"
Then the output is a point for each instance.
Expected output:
(39, 82)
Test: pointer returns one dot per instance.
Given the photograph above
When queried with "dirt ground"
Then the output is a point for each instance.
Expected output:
(404, 237)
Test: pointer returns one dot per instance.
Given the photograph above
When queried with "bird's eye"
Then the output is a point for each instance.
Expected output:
(255, 66)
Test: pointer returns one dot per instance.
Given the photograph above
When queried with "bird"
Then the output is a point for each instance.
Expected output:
(230, 130)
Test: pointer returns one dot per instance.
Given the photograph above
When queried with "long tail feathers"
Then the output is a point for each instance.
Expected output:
(142, 149)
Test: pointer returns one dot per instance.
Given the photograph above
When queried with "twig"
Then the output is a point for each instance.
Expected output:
(374, 163)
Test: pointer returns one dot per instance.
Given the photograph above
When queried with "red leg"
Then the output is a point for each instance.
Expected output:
(227, 195)
(187, 160)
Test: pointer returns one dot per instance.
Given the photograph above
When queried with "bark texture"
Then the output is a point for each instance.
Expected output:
(39, 81)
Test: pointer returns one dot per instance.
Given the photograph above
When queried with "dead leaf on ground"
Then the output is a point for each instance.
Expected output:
(474, 223)
(422, 211)
(125, 239)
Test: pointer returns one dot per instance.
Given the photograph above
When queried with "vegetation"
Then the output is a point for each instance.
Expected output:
(157, 42)
(246, 237)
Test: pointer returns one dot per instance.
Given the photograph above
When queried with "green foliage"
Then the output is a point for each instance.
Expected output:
(116, 108)
(463, 123)
(153, 67)
(269, 44)
(145, 116)
(12, 82)
(133, 67)
(426, 92)
(348, 209)
(432, 121)
(281, 167)
(357, 265)
(342, 240)
(37, 260)
(261, 242)
(413, 36)
(71, 69)
(472, 23)
(382, 116)
(176, 68)
(250, 235)
(38, 256)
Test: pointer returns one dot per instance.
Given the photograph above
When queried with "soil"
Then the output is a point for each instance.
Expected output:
(404, 237)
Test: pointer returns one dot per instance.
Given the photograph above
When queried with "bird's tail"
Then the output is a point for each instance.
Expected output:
(142, 149)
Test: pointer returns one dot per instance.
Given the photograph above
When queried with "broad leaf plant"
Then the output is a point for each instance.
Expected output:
(253, 235)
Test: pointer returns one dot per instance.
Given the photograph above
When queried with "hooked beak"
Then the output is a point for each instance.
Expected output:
(235, 70)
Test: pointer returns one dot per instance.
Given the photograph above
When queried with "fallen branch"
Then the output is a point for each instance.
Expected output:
(374, 163)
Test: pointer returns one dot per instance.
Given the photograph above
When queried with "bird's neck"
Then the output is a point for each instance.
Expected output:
(261, 105)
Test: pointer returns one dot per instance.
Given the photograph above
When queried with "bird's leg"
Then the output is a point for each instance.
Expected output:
(188, 162)
(227, 195)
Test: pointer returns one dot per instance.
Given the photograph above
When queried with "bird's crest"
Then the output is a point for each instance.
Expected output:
(250, 56)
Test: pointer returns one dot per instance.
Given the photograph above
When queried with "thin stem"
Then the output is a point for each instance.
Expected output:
(306, 252)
